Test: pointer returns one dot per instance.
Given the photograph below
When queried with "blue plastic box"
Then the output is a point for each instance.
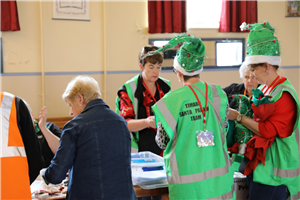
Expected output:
(146, 160)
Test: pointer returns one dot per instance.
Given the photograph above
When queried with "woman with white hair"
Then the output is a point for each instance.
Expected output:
(94, 147)
(244, 88)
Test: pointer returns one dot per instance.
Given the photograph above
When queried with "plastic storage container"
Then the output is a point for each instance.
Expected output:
(240, 186)
(148, 170)
(150, 179)
(146, 161)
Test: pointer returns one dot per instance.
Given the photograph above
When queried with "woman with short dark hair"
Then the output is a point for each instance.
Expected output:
(136, 97)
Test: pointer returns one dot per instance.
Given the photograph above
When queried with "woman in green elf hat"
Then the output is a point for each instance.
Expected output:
(272, 155)
(194, 119)
(136, 97)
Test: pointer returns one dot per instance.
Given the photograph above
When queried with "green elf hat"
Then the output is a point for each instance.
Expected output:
(262, 45)
(190, 57)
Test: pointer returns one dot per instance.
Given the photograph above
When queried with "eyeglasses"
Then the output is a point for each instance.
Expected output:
(147, 49)
(174, 70)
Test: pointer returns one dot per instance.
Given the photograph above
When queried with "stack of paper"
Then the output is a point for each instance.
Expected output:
(150, 179)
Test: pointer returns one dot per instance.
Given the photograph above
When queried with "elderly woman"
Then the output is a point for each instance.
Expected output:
(94, 147)
(235, 141)
(272, 155)
(244, 88)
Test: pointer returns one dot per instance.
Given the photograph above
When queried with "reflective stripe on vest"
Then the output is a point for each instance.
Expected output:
(277, 90)
(13, 161)
(216, 103)
(7, 150)
(225, 196)
(287, 172)
(176, 178)
(296, 196)
(131, 87)
(135, 101)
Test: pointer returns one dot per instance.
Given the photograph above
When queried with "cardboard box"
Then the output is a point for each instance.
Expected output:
(240, 186)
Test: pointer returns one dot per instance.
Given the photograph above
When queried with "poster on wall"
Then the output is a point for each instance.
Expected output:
(71, 9)
(293, 9)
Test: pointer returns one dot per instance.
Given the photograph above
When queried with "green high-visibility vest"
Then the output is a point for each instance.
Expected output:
(282, 158)
(195, 172)
(131, 87)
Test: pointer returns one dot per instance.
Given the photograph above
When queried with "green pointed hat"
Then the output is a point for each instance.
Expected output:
(190, 57)
(262, 45)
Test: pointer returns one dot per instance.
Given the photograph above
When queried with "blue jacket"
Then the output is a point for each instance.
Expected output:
(95, 148)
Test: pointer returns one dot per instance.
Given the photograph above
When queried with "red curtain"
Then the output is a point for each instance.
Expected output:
(166, 16)
(234, 13)
(9, 16)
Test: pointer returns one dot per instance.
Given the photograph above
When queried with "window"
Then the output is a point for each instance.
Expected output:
(229, 53)
(220, 52)
(169, 54)
(203, 13)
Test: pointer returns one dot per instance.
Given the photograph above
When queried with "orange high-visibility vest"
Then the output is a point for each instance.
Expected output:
(14, 177)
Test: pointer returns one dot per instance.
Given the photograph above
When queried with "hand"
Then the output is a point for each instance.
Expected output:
(151, 122)
(233, 114)
(42, 171)
(43, 117)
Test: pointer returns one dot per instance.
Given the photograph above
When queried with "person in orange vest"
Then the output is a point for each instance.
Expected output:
(20, 151)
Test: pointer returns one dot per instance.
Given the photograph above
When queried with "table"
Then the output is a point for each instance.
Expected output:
(140, 192)
(55, 197)
(36, 185)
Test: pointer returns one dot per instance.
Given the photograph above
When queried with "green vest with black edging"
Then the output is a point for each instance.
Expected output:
(131, 87)
(282, 158)
(196, 172)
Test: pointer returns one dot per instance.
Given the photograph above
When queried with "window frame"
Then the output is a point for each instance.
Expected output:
(217, 40)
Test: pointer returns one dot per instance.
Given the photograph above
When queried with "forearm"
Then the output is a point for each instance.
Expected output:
(64, 158)
(52, 140)
(137, 124)
(246, 121)
(250, 124)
